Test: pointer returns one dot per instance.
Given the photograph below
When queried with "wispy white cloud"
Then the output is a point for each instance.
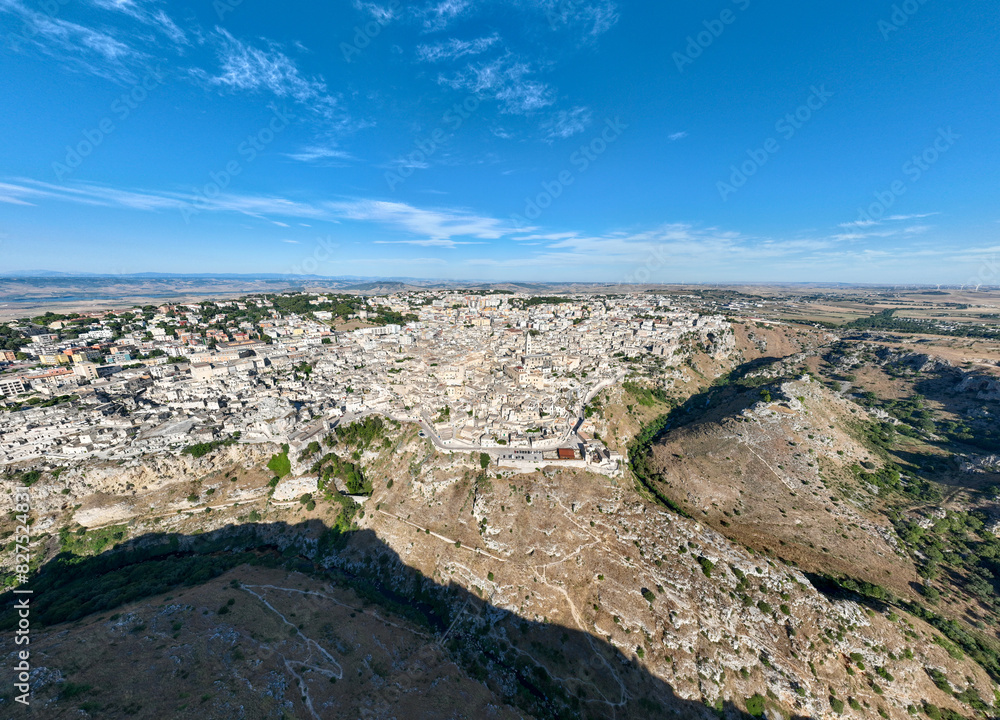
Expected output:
(26, 191)
(887, 227)
(435, 227)
(678, 251)
(548, 236)
(438, 15)
(674, 137)
(380, 13)
(670, 251)
(428, 242)
(454, 49)
(901, 218)
(247, 68)
(858, 223)
(408, 163)
(81, 48)
(244, 67)
(506, 79)
(566, 123)
(258, 206)
(430, 227)
(144, 13)
(325, 154)
(592, 17)
(17, 195)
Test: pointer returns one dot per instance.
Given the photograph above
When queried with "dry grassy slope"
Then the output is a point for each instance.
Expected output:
(762, 340)
(773, 476)
(176, 656)
(579, 555)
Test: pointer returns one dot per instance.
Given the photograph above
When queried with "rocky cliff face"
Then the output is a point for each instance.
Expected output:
(713, 621)
(770, 472)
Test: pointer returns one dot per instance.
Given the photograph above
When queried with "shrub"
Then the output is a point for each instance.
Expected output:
(706, 565)
(279, 464)
(755, 705)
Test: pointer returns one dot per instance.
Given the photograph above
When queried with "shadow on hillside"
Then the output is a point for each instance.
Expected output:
(544, 670)
(979, 416)
(728, 395)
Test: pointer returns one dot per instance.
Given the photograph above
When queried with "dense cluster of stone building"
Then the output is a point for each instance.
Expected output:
(505, 374)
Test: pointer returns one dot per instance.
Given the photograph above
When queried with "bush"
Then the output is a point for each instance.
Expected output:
(280, 465)
(72, 689)
(201, 449)
(755, 705)
(706, 565)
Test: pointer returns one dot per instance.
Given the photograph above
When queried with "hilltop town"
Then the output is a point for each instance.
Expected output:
(504, 374)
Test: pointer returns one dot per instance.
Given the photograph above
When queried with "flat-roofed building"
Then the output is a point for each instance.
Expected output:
(11, 386)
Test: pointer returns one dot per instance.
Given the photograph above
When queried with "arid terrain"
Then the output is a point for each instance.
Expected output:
(806, 530)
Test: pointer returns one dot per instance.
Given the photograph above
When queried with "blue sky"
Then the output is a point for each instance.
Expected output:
(591, 140)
